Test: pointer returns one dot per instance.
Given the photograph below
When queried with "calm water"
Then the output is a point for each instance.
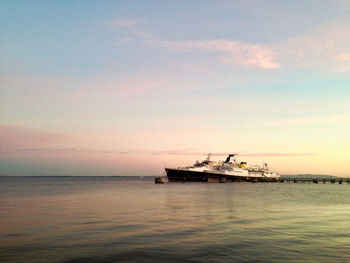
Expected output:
(111, 219)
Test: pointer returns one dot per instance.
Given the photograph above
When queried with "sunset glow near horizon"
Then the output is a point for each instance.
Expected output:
(129, 87)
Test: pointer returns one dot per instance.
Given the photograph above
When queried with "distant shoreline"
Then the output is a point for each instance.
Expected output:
(137, 176)
(309, 176)
(150, 176)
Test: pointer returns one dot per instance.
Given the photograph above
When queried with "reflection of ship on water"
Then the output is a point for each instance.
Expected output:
(222, 171)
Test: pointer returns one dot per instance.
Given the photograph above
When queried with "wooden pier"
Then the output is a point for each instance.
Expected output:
(337, 180)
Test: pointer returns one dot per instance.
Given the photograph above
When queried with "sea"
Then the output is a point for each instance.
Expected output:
(132, 219)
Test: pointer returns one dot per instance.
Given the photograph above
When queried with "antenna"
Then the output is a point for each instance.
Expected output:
(208, 158)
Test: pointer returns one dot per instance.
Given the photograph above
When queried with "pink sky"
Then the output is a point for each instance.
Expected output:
(129, 89)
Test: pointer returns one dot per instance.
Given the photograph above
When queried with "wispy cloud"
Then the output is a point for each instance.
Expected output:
(279, 154)
(138, 85)
(344, 59)
(325, 46)
(158, 153)
(124, 40)
(66, 150)
(18, 137)
(125, 22)
(232, 52)
(312, 120)
(128, 88)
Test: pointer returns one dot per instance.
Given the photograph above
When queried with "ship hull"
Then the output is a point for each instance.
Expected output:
(181, 175)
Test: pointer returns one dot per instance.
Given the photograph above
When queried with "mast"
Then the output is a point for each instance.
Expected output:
(208, 157)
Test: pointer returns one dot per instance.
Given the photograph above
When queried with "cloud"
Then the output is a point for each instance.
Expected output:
(277, 154)
(67, 150)
(232, 52)
(124, 40)
(137, 85)
(325, 46)
(18, 139)
(184, 152)
(140, 152)
(158, 153)
(127, 88)
(312, 120)
(125, 22)
(14, 138)
(344, 59)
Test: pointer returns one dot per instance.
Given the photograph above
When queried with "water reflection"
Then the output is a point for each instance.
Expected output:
(126, 219)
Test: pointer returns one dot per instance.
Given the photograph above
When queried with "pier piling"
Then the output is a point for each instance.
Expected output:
(315, 180)
(159, 180)
(222, 180)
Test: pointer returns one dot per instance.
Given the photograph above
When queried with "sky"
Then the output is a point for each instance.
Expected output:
(131, 87)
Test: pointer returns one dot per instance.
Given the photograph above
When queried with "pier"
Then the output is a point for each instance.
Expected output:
(336, 180)
(218, 179)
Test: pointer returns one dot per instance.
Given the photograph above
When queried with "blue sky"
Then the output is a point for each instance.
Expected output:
(164, 78)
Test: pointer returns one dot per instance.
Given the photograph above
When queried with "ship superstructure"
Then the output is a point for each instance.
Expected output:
(223, 171)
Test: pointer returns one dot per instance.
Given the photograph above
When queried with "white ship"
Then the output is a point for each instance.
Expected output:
(229, 170)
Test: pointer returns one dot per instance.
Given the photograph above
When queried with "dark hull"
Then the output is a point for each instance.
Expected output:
(179, 175)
